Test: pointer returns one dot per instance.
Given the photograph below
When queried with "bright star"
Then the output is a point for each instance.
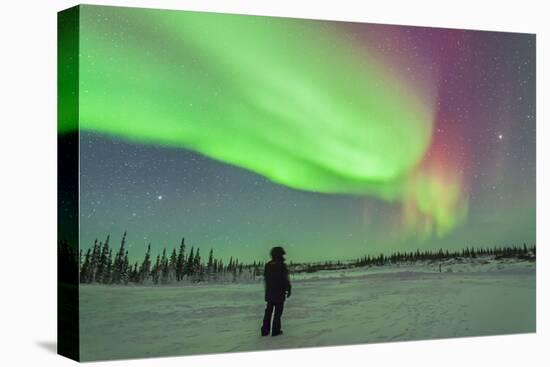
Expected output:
(499, 136)
(159, 197)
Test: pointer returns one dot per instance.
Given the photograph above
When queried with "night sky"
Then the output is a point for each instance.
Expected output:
(445, 160)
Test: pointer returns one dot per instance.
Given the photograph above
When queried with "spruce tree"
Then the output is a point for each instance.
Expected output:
(156, 270)
(197, 262)
(118, 264)
(164, 266)
(106, 278)
(190, 263)
(94, 259)
(210, 264)
(125, 269)
(102, 263)
(145, 268)
(180, 264)
(234, 270)
(134, 275)
(84, 270)
(172, 265)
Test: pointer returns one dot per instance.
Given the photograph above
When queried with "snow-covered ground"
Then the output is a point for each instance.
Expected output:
(362, 305)
(460, 265)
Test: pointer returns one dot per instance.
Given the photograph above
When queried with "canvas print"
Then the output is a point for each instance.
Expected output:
(238, 183)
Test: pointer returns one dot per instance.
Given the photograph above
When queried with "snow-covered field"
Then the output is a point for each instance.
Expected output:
(364, 305)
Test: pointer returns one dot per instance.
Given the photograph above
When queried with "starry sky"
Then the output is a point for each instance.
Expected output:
(333, 139)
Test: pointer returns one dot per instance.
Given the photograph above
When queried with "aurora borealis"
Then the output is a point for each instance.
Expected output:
(260, 93)
(335, 139)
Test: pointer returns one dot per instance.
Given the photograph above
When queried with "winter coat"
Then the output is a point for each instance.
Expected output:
(277, 283)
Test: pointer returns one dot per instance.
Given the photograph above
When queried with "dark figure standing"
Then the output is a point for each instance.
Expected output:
(277, 288)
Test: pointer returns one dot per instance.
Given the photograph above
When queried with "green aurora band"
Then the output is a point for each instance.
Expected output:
(293, 100)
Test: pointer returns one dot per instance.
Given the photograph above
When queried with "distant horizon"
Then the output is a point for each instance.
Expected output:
(133, 256)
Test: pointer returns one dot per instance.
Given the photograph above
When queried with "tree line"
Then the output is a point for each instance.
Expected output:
(523, 252)
(105, 264)
(100, 265)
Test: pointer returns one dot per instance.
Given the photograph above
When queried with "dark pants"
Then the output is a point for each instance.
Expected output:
(278, 307)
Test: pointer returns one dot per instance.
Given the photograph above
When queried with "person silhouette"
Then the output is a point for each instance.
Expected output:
(277, 289)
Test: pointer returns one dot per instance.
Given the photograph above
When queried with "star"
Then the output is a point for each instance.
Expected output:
(500, 136)
(159, 197)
